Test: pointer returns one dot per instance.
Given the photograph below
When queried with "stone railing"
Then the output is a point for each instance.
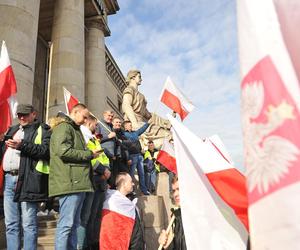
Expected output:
(114, 71)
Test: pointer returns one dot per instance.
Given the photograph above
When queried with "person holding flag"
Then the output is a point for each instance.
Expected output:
(174, 239)
(69, 178)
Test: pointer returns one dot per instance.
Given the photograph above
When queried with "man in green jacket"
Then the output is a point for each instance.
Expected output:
(69, 176)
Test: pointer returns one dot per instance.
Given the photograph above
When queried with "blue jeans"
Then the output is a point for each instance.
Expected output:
(151, 180)
(94, 224)
(69, 220)
(84, 219)
(137, 162)
(16, 213)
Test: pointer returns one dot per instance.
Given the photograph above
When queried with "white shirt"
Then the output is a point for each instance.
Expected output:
(86, 132)
(11, 159)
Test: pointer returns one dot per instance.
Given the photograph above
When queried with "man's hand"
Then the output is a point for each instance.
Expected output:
(111, 135)
(1, 137)
(13, 143)
(165, 239)
(96, 153)
(129, 162)
(106, 174)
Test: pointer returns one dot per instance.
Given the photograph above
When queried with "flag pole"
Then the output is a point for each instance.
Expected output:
(168, 230)
(49, 81)
(66, 102)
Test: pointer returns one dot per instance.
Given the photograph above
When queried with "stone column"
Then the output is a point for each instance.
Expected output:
(95, 69)
(68, 53)
(18, 27)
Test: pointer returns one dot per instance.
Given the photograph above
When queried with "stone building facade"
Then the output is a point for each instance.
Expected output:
(78, 60)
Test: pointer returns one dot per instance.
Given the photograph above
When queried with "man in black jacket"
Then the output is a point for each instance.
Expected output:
(24, 155)
(108, 142)
(174, 240)
(122, 145)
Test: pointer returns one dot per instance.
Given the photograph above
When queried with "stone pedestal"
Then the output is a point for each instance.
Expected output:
(163, 190)
(95, 73)
(153, 213)
(18, 27)
(68, 53)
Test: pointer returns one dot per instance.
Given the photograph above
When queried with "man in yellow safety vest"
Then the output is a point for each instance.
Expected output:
(88, 231)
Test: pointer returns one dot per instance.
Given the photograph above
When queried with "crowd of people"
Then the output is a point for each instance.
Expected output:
(75, 159)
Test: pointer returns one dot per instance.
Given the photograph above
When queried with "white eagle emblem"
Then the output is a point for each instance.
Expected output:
(268, 157)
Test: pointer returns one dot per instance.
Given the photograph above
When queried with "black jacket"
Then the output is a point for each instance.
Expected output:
(32, 185)
(122, 145)
(137, 238)
(178, 242)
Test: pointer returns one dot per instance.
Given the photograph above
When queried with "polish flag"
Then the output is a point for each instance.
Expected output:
(118, 217)
(166, 156)
(70, 100)
(175, 99)
(8, 89)
(227, 181)
(202, 208)
(269, 48)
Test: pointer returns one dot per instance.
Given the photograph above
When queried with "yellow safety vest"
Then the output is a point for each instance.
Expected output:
(94, 144)
(147, 155)
(42, 166)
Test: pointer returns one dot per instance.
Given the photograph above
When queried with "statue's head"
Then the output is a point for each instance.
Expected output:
(132, 75)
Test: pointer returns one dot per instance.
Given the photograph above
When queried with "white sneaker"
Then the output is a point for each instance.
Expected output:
(52, 212)
(41, 213)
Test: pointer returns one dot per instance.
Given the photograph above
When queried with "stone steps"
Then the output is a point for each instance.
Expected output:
(47, 229)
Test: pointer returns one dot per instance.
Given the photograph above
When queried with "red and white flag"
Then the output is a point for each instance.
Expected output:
(8, 89)
(269, 48)
(166, 156)
(202, 208)
(228, 182)
(175, 99)
(70, 100)
(118, 217)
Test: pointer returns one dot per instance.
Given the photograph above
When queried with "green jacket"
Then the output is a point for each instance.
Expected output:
(70, 160)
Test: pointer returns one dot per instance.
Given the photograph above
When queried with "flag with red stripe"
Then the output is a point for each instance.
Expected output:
(8, 89)
(228, 182)
(118, 217)
(172, 97)
(70, 100)
(166, 156)
(202, 208)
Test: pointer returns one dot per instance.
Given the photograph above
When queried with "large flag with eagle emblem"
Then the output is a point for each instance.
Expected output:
(270, 69)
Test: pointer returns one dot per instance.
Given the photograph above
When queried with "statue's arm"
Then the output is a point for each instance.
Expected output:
(128, 110)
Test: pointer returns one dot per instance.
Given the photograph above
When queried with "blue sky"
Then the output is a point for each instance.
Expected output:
(194, 42)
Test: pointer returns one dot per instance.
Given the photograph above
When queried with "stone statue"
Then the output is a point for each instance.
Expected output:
(135, 110)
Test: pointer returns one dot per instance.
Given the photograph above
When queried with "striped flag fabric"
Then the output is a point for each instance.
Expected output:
(166, 156)
(8, 90)
(172, 97)
(269, 48)
(208, 222)
(227, 181)
(118, 218)
(70, 100)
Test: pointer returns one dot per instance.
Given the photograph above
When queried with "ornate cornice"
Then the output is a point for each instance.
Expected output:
(114, 71)
(111, 6)
(97, 22)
